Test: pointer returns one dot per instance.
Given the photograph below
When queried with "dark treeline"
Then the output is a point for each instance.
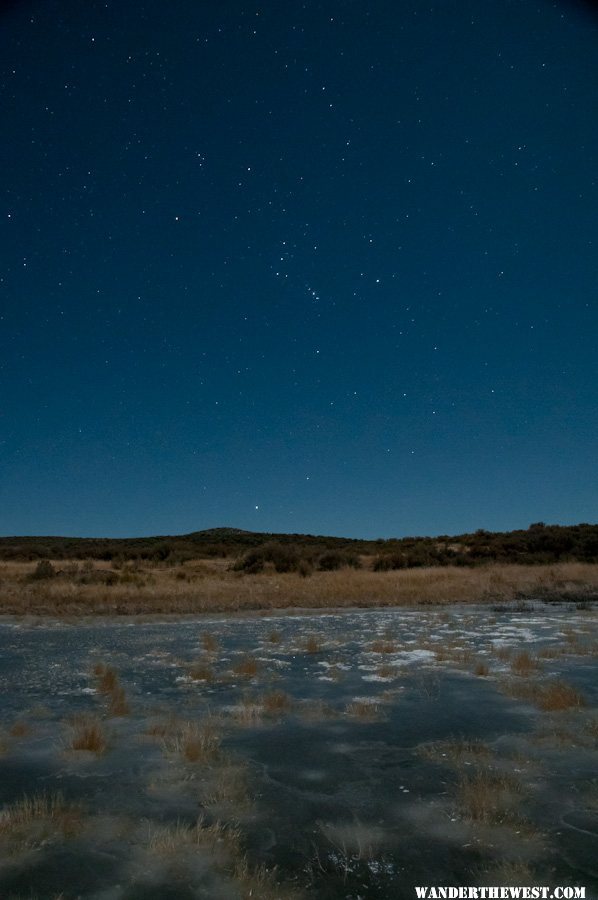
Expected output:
(253, 551)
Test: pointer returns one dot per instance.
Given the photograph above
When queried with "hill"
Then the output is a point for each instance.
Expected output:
(540, 543)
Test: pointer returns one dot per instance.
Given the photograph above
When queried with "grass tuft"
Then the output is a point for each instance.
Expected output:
(383, 647)
(362, 709)
(201, 671)
(551, 696)
(35, 820)
(118, 705)
(209, 642)
(195, 742)
(88, 735)
(523, 664)
(276, 703)
(247, 667)
(107, 679)
(489, 797)
(313, 644)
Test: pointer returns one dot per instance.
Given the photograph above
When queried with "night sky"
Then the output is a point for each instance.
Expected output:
(325, 267)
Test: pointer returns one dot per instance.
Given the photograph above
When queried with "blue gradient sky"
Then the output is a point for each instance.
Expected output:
(313, 267)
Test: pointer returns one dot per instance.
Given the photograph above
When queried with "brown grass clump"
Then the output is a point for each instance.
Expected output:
(383, 647)
(313, 644)
(88, 735)
(503, 653)
(275, 637)
(247, 667)
(489, 797)
(108, 684)
(118, 705)
(209, 642)
(161, 729)
(27, 810)
(481, 669)
(249, 712)
(316, 710)
(229, 788)
(523, 664)
(276, 702)
(258, 881)
(19, 729)
(559, 695)
(167, 839)
(592, 728)
(195, 742)
(33, 820)
(107, 678)
(201, 671)
(552, 696)
(550, 652)
(386, 671)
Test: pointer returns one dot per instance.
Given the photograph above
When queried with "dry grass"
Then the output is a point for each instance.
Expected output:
(455, 752)
(209, 642)
(383, 647)
(313, 644)
(201, 671)
(550, 652)
(118, 705)
(523, 664)
(275, 637)
(489, 797)
(108, 684)
(88, 735)
(168, 839)
(34, 820)
(316, 710)
(19, 729)
(362, 709)
(106, 678)
(219, 590)
(276, 703)
(247, 667)
(194, 741)
(592, 728)
(260, 882)
(162, 729)
(515, 873)
(228, 789)
(387, 671)
(481, 669)
(549, 696)
(248, 712)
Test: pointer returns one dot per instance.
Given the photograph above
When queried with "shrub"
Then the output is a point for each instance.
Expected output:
(336, 559)
(44, 569)
(282, 557)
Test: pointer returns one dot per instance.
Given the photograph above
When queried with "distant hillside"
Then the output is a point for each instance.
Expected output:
(539, 543)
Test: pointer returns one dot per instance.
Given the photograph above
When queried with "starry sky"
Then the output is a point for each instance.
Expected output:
(323, 267)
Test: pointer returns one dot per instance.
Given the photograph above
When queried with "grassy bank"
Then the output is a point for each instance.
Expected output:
(201, 586)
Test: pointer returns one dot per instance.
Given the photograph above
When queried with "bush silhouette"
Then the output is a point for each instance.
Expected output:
(44, 569)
